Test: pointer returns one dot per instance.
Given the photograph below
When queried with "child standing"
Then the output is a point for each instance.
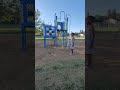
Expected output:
(72, 40)
(89, 40)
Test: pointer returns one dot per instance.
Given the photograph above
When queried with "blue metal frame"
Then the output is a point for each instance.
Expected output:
(50, 36)
(61, 24)
(25, 23)
(62, 30)
(64, 27)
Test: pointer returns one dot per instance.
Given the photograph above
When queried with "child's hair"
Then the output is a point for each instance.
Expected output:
(92, 18)
(72, 34)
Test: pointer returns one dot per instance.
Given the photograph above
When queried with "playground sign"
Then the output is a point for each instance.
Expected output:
(50, 32)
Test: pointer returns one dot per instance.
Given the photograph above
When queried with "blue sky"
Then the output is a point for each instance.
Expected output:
(75, 8)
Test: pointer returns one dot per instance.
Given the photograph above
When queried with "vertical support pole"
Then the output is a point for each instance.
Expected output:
(44, 32)
(24, 20)
(55, 20)
(44, 42)
(23, 24)
(62, 38)
(23, 37)
(55, 42)
(67, 41)
(62, 32)
(66, 38)
(69, 25)
(55, 24)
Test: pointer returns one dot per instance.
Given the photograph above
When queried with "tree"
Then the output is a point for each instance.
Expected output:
(118, 16)
(1, 10)
(38, 23)
(17, 11)
(114, 13)
(10, 10)
(109, 13)
(37, 15)
(88, 13)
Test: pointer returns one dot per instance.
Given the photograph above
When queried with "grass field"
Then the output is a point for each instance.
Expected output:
(56, 69)
(39, 38)
(104, 75)
(105, 29)
(63, 75)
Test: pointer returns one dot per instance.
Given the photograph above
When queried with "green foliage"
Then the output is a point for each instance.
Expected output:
(10, 11)
(39, 23)
(37, 15)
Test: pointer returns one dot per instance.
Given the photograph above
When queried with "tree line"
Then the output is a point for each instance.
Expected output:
(111, 13)
(10, 12)
(38, 23)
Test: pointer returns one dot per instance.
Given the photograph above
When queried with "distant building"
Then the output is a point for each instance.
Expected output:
(110, 21)
(107, 23)
(81, 35)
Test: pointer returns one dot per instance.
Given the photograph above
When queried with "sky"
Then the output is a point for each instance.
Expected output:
(101, 6)
(74, 8)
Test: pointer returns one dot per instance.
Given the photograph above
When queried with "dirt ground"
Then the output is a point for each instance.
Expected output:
(52, 54)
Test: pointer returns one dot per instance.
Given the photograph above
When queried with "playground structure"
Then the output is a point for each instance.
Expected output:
(50, 32)
(59, 33)
(28, 15)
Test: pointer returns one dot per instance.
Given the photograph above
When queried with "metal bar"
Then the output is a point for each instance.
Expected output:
(49, 23)
(70, 22)
(60, 15)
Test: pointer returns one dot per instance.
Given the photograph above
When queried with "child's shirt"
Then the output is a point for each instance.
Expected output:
(72, 42)
(89, 35)
(89, 39)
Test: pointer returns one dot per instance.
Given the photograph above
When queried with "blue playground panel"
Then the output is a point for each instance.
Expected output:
(50, 32)
(25, 14)
(60, 25)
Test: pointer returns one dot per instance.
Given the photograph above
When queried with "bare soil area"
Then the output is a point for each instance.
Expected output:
(53, 54)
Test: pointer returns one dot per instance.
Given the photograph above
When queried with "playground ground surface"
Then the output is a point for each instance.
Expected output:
(57, 70)
(53, 54)
(103, 75)
(105, 72)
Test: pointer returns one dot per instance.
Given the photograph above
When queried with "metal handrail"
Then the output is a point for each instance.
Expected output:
(60, 15)
(70, 22)
(49, 23)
